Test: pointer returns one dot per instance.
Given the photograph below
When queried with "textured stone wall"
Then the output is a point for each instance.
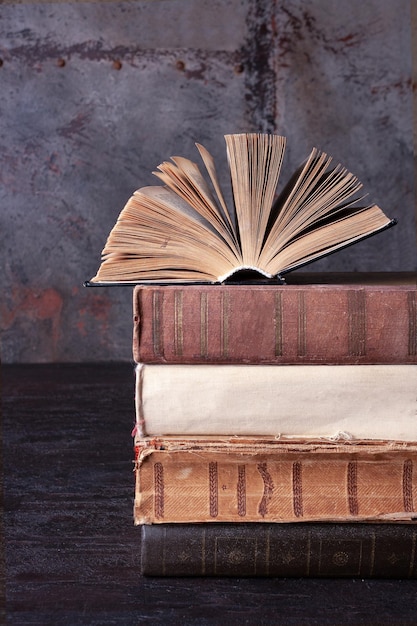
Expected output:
(94, 95)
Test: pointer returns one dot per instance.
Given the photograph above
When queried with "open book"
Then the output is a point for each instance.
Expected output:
(184, 232)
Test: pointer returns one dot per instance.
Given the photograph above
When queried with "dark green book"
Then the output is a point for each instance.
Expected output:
(332, 550)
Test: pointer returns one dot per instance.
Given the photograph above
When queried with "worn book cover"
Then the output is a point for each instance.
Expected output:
(266, 480)
(311, 550)
(341, 318)
(363, 401)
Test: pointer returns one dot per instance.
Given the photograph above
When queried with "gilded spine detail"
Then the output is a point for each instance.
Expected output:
(357, 323)
(297, 488)
(204, 324)
(178, 323)
(213, 489)
(159, 490)
(268, 488)
(224, 329)
(408, 486)
(301, 324)
(352, 487)
(278, 324)
(156, 323)
(412, 556)
(241, 491)
(412, 323)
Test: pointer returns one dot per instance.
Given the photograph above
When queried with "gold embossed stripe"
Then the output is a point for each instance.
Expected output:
(204, 324)
(178, 323)
(357, 323)
(224, 330)
(278, 323)
(156, 323)
(412, 323)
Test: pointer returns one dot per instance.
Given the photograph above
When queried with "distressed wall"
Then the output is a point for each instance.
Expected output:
(93, 95)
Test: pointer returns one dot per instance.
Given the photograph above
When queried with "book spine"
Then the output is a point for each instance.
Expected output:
(282, 550)
(367, 402)
(340, 324)
(274, 485)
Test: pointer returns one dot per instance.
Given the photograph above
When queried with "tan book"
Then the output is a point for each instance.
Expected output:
(323, 318)
(359, 401)
(265, 480)
(184, 231)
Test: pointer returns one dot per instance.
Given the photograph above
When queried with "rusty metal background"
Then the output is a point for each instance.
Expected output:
(93, 95)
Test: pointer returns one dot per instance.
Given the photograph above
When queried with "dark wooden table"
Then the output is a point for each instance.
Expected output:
(72, 552)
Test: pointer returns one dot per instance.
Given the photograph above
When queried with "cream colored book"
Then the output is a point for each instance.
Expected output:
(301, 401)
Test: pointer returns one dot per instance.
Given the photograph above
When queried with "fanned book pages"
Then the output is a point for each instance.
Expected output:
(184, 232)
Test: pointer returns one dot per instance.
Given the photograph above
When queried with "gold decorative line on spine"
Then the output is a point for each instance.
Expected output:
(164, 551)
(156, 322)
(241, 490)
(408, 486)
(178, 323)
(301, 324)
(352, 487)
(412, 556)
(224, 330)
(203, 552)
(360, 564)
(204, 324)
(373, 549)
(278, 324)
(412, 323)
(158, 477)
(213, 489)
(357, 323)
(268, 551)
(268, 488)
(297, 488)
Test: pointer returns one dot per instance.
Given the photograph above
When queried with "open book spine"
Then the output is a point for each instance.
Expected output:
(286, 550)
(247, 481)
(276, 324)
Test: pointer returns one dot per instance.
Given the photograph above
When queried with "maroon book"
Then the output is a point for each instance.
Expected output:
(321, 319)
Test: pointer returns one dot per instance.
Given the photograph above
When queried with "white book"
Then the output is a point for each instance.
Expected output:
(294, 401)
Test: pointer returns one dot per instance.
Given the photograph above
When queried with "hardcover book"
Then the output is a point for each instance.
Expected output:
(309, 550)
(301, 401)
(341, 318)
(184, 231)
(182, 480)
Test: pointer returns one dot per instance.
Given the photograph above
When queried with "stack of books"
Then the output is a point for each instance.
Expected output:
(266, 404)
(275, 423)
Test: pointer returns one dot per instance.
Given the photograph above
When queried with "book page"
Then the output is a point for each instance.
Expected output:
(185, 179)
(159, 236)
(317, 192)
(328, 238)
(255, 164)
(211, 169)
